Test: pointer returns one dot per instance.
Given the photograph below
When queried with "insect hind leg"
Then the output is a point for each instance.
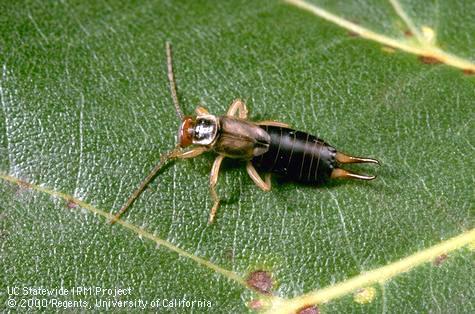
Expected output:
(252, 172)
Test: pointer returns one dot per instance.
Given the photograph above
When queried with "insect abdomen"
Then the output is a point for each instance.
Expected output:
(296, 155)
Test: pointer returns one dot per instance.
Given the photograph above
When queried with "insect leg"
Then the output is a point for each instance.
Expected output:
(267, 180)
(273, 123)
(201, 111)
(173, 154)
(192, 153)
(238, 106)
(213, 180)
(252, 172)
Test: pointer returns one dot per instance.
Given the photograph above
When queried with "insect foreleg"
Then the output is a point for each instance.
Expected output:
(190, 153)
(264, 185)
(238, 106)
(201, 111)
(213, 180)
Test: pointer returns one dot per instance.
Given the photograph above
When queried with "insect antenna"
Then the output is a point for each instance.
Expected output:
(171, 80)
(165, 157)
(163, 160)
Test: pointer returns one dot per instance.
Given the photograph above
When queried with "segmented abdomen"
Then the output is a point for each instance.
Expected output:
(296, 155)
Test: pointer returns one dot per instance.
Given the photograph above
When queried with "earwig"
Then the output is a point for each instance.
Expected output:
(268, 146)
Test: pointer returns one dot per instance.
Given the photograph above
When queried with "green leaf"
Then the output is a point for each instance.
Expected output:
(86, 113)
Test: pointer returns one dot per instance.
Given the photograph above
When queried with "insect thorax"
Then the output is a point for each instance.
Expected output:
(205, 130)
(240, 139)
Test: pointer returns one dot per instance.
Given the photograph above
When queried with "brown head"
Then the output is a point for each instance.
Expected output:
(200, 130)
(185, 132)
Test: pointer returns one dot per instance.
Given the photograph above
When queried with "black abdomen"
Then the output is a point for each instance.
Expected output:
(296, 155)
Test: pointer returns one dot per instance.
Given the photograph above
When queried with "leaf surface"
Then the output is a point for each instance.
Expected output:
(86, 113)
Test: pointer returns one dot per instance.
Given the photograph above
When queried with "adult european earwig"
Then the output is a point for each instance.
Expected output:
(268, 146)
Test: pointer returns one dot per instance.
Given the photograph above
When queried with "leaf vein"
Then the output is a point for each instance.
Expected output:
(425, 50)
(402, 14)
(276, 304)
(376, 276)
(138, 230)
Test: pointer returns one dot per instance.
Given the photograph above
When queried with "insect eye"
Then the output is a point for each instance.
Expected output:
(185, 133)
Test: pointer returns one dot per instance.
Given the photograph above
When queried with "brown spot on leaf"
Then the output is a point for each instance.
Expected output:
(255, 305)
(408, 33)
(24, 185)
(71, 204)
(440, 259)
(311, 309)
(260, 281)
(429, 60)
(469, 72)
(22, 188)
